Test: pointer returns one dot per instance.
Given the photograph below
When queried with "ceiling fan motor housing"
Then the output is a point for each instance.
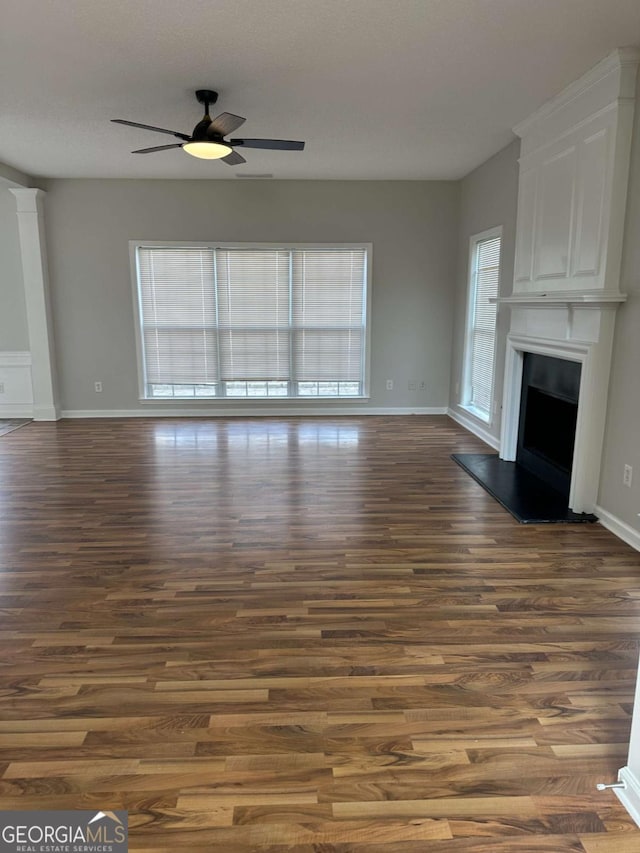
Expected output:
(201, 131)
(206, 96)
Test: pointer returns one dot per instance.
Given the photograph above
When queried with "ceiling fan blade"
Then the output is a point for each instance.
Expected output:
(156, 148)
(271, 144)
(233, 159)
(225, 123)
(151, 127)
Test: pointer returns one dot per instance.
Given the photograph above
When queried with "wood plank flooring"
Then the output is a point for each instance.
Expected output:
(306, 635)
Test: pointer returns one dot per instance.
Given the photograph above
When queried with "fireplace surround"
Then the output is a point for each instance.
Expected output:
(577, 328)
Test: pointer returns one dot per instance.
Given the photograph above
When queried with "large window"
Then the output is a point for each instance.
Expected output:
(484, 281)
(251, 321)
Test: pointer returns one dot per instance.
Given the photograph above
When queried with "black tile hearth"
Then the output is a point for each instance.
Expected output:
(525, 496)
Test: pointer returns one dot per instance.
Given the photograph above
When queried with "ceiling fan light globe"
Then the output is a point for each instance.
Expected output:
(207, 150)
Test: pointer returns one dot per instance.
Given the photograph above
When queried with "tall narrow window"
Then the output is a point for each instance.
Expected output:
(484, 281)
(252, 321)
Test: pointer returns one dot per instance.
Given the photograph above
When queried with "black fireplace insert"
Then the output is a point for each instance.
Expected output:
(548, 416)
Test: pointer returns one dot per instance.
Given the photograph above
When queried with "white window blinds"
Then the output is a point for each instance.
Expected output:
(178, 315)
(328, 309)
(252, 289)
(482, 328)
(212, 316)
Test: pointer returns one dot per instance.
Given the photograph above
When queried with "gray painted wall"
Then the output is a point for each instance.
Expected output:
(14, 335)
(489, 197)
(622, 437)
(412, 226)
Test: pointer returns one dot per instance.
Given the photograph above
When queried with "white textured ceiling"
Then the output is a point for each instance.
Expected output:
(379, 89)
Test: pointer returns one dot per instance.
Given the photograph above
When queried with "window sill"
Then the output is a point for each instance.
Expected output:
(249, 400)
(485, 417)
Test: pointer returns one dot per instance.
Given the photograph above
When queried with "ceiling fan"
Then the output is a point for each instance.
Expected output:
(207, 139)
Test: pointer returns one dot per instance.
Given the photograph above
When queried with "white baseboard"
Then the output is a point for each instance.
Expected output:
(16, 410)
(46, 413)
(475, 428)
(250, 412)
(619, 528)
(629, 796)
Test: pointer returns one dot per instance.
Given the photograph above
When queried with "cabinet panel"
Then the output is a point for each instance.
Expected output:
(556, 185)
(591, 191)
(524, 235)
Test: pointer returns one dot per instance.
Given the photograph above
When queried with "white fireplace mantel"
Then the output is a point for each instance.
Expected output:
(574, 326)
(574, 332)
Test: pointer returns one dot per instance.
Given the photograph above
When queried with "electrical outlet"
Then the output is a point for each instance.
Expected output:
(97, 387)
(627, 476)
(389, 384)
(412, 385)
(421, 386)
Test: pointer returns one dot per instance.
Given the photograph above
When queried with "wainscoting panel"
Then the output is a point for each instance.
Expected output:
(16, 392)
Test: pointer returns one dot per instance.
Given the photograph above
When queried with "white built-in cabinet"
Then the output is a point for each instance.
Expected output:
(573, 177)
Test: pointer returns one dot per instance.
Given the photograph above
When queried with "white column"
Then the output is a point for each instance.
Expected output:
(33, 249)
(629, 775)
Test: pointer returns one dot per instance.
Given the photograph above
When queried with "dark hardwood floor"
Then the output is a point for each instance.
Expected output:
(306, 635)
